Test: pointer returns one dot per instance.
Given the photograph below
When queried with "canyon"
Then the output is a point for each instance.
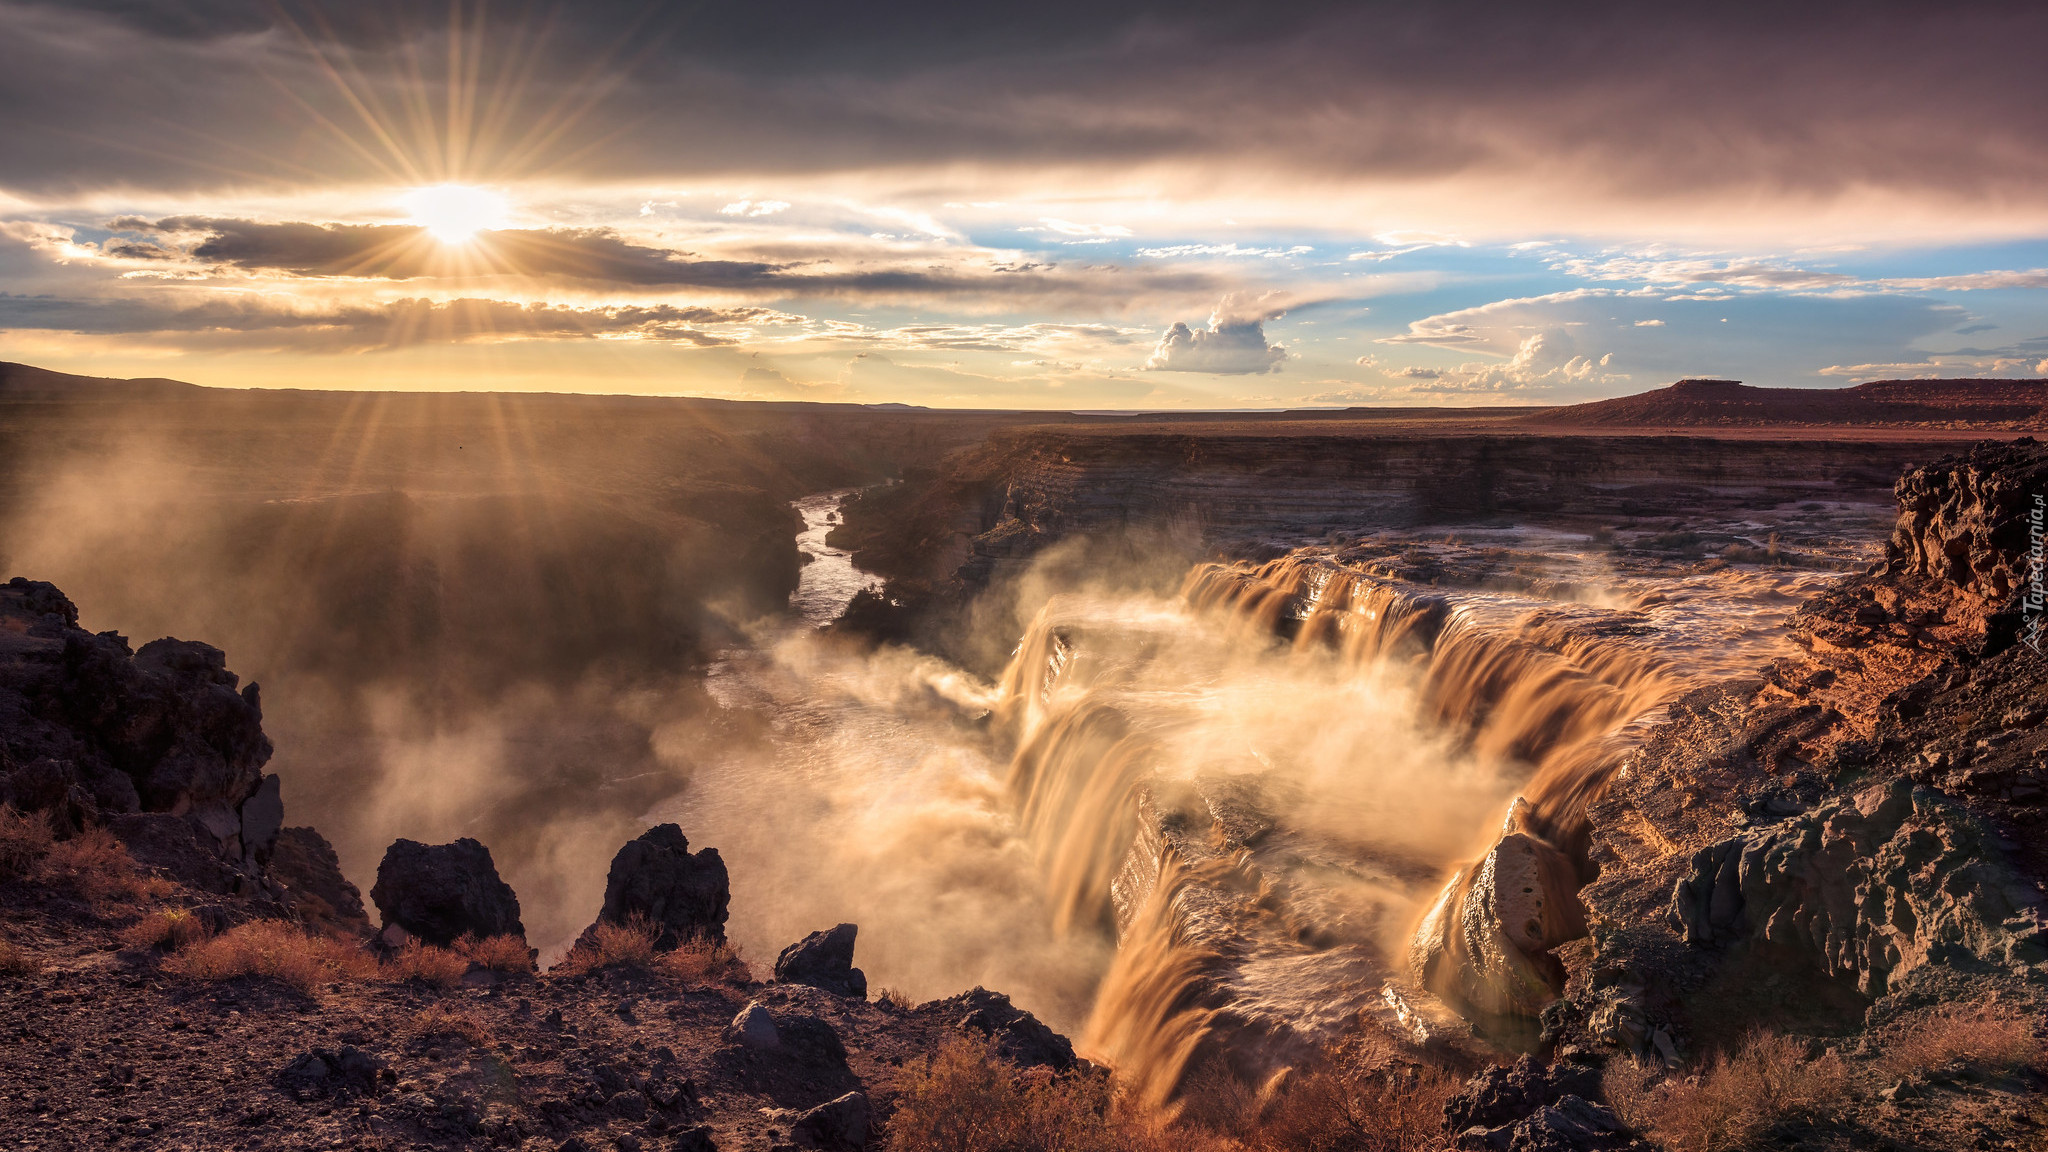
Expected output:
(1237, 748)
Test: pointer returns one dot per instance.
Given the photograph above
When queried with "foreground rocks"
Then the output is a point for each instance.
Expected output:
(656, 878)
(824, 960)
(443, 892)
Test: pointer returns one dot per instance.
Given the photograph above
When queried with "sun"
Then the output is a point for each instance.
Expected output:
(455, 213)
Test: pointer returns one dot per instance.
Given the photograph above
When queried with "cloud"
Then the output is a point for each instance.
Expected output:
(1544, 360)
(1234, 343)
(1413, 372)
(1652, 323)
(754, 208)
(245, 321)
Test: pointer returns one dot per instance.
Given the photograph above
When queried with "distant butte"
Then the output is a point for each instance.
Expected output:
(2004, 404)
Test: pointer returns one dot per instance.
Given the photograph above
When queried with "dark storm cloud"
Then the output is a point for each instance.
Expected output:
(600, 257)
(1633, 100)
(242, 323)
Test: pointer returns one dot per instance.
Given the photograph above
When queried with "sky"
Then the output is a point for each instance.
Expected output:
(1108, 205)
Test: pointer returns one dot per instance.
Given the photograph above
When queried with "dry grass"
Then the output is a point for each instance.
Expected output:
(705, 962)
(630, 945)
(496, 953)
(274, 949)
(170, 929)
(895, 998)
(1732, 1100)
(441, 1024)
(17, 961)
(964, 1099)
(24, 840)
(98, 868)
(428, 964)
(1343, 1106)
(1990, 1037)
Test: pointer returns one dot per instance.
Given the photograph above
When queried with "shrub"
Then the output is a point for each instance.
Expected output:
(496, 953)
(1732, 1099)
(965, 1099)
(24, 841)
(170, 930)
(17, 961)
(1342, 1109)
(443, 1023)
(1993, 1037)
(895, 998)
(630, 944)
(426, 963)
(705, 962)
(98, 868)
(274, 949)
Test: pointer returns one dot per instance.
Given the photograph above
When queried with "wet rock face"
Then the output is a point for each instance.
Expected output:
(442, 892)
(91, 729)
(1486, 943)
(1965, 521)
(686, 895)
(824, 960)
(1869, 888)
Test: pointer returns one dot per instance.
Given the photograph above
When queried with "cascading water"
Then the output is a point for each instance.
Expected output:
(1204, 828)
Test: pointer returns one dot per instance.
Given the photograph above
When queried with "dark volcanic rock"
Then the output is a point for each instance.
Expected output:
(1501, 1095)
(91, 729)
(344, 1072)
(839, 1125)
(824, 960)
(684, 894)
(1018, 1036)
(441, 892)
(1965, 520)
(171, 845)
(305, 863)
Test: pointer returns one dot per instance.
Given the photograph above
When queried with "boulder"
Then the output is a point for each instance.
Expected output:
(754, 1028)
(304, 862)
(1503, 1094)
(683, 894)
(171, 846)
(824, 960)
(261, 818)
(1017, 1035)
(442, 892)
(839, 1125)
(1965, 521)
(1486, 942)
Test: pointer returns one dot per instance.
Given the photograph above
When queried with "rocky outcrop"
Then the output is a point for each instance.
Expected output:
(1972, 521)
(656, 877)
(839, 1125)
(91, 729)
(1486, 944)
(305, 864)
(1867, 888)
(824, 960)
(1528, 1107)
(1016, 1035)
(443, 892)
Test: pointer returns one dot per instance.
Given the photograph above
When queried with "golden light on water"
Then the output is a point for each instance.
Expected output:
(455, 213)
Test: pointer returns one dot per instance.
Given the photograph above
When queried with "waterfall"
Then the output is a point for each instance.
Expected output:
(1262, 793)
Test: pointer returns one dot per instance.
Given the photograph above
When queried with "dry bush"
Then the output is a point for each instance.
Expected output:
(17, 961)
(98, 868)
(895, 998)
(705, 962)
(1992, 1037)
(426, 963)
(171, 929)
(462, 1024)
(1345, 1110)
(1732, 1099)
(496, 953)
(630, 944)
(24, 840)
(966, 1099)
(274, 949)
